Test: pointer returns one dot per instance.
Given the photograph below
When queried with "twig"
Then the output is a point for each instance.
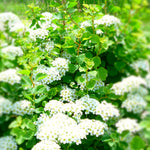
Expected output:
(78, 50)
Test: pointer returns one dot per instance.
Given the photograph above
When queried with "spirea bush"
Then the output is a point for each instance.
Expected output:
(73, 80)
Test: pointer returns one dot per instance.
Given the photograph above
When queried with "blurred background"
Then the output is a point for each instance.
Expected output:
(19, 7)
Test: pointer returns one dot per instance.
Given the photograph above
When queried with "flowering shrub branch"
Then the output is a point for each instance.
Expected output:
(79, 79)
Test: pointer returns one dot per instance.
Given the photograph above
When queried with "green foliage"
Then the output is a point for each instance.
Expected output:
(104, 56)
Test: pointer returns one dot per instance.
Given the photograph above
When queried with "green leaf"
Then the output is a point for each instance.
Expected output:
(52, 92)
(24, 72)
(95, 38)
(26, 80)
(67, 79)
(137, 143)
(119, 65)
(40, 76)
(72, 4)
(31, 143)
(89, 63)
(20, 140)
(97, 61)
(73, 68)
(81, 58)
(39, 110)
(93, 73)
(41, 98)
(39, 89)
(90, 84)
(16, 123)
(27, 123)
(102, 73)
(33, 23)
(28, 134)
(80, 79)
(19, 133)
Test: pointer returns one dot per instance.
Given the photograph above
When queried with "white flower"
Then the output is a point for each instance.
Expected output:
(48, 17)
(54, 106)
(141, 64)
(38, 33)
(140, 90)
(74, 109)
(60, 128)
(66, 55)
(5, 106)
(127, 124)
(106, 110)
(99, 31)
(22, 107)
(107, 20)
(51, 72)
(61, 64)
(46, 145)
(134, 103)
(12, 50)
(8, 143)
(68, 94)
(89, 104)
(93, 127)
(18, 27)
(10, 76)
(85, 24)
(128, 84)
(147, 79)
(9, 17)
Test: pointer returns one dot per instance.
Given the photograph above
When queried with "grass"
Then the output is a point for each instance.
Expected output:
(17, 8)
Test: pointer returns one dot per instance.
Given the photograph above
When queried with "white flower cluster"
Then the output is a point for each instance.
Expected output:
(12, 51)
(85, 24)
(46, 145)
(87, 78)
(99, 31)
(93, 127)
(61, 64)
(51, 72)
(54, 107)
(5, 106)
(128, 84)
(134, 103)
(141, 64)
(104, 109)
(140, 90)
(89, 104)
(8, 143)
(49, 46)
(59, 128)
(148, 80)
(22, 107)
(107, 20)
(46, 21)
(10, 76)
(74, 109)
(14, 22)
(38, 33)
(68, 94)
(66, 55)
(127, 124)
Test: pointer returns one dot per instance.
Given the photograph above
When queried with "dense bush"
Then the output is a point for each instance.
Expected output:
(74, 80)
